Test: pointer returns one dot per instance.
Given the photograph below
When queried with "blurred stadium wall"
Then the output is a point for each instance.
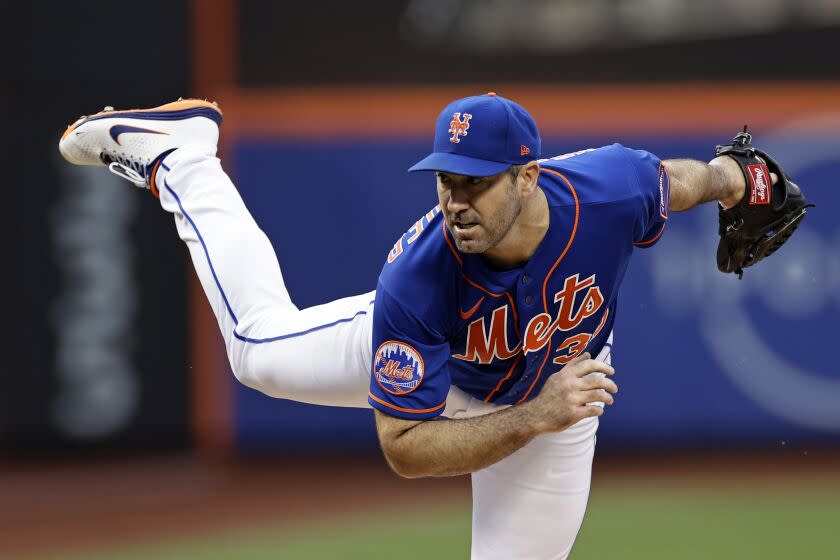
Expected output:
(111, 345)
(96, 356)
(700, 363)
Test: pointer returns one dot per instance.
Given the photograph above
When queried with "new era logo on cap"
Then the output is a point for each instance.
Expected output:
(481, 136)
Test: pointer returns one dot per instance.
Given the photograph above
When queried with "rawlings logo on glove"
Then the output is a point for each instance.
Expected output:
(759, 183)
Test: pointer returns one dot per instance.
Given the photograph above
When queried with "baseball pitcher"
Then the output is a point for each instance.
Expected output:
(476, 348)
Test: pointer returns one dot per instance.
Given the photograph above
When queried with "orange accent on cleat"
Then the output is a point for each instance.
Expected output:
(174, 106)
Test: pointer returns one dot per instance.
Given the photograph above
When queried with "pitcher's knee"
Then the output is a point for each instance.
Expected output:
(270, 370)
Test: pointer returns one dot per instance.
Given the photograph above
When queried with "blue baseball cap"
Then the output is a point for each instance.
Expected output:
(481, 136)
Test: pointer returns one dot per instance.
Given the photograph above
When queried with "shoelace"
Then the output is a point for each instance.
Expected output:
(131, 170)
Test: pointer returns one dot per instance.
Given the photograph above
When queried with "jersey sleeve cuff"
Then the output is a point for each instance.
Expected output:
(405, 413)
(652, 241)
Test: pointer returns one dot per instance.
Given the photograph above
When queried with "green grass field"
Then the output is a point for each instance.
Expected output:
(622, 522)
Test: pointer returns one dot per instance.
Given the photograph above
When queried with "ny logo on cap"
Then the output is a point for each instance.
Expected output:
(458, 127)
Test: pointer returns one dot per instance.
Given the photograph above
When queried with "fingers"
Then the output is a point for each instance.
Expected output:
(585, 411)
(578, 359)
(587, 366)
(598, 382)
(584, 398)
(597, 395)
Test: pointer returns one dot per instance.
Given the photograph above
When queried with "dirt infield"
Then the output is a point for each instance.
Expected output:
(50, 508)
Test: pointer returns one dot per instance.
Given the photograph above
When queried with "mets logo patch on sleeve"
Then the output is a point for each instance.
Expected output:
(398, 367)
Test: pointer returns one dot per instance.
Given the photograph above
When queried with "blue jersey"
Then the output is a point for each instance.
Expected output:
(445, 318)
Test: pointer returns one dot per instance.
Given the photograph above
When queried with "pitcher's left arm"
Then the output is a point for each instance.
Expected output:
(694, 182)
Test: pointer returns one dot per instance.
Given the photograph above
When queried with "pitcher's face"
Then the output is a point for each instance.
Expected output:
(479, 211)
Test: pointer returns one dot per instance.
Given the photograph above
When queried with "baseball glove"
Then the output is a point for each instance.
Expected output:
(767, 215)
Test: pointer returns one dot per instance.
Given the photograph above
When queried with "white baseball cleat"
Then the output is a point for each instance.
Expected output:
(132, 143)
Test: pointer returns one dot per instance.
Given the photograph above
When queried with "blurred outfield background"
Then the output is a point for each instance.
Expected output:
(122, 434)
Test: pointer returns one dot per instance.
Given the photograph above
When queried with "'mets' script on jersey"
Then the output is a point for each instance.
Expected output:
(445, 318)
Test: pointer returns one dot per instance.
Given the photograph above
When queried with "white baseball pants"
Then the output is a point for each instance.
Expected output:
(528, 505)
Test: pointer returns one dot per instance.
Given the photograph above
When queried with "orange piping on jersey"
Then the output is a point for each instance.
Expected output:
(551, 271)
(471, 311)
(505, 378)
(401, 409)
(601, 326)
(571, 237)
(539, 373)
(505, 293)
(451, 248)
(654, 238)
(483, 289)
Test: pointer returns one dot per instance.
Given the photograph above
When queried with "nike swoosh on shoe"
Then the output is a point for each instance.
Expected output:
(118, 129)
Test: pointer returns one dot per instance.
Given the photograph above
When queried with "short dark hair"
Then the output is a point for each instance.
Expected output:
(513, 171)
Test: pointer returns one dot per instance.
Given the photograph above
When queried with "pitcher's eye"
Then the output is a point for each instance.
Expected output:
(475, 180)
